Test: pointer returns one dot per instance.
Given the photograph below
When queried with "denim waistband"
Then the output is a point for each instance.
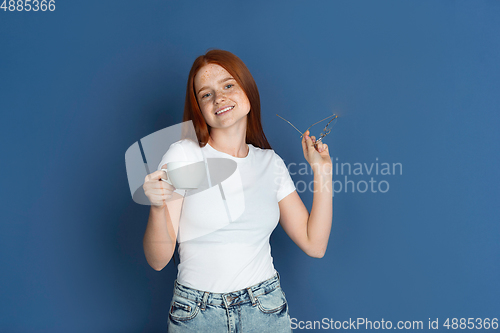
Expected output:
(227, 299)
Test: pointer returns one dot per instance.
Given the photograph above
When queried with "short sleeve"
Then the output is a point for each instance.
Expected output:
(283, 180)
(174, 153)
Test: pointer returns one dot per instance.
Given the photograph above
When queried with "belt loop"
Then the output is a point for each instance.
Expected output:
(176, 285)
(204, 301)
(252, 298)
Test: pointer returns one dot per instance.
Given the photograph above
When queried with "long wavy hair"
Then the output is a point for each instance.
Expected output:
(239, 71)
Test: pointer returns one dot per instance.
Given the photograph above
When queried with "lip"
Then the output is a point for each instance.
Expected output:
(222, 108)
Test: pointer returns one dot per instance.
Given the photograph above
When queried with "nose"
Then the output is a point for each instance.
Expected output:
(219, 97)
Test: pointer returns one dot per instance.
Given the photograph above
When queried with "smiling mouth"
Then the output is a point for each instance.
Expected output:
(224, 110)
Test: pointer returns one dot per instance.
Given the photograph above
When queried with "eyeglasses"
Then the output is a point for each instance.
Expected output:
(326, 130)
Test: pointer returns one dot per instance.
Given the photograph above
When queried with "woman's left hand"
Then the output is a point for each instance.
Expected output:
(316, 154)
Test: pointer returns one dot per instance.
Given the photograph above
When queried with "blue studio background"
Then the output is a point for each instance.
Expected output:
(414, 82)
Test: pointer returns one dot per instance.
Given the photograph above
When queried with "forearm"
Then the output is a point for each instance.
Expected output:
(320, 219)
(159, 238)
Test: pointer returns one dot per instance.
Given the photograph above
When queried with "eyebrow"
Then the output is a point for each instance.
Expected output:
(221, 81)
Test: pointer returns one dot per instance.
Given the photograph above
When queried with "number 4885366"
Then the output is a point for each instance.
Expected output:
(28, 5)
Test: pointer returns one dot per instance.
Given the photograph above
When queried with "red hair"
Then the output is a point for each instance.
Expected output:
(239, 71)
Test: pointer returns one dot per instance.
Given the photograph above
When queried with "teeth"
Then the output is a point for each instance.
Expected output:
(224, 110)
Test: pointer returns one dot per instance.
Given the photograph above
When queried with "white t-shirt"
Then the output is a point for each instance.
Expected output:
(224, 227)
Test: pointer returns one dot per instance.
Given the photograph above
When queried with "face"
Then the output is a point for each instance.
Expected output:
(222, 101)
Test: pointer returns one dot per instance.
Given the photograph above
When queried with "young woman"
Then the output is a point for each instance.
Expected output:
(226, 279)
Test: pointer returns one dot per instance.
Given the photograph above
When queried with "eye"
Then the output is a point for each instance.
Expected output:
(229, 85)
(206, 95)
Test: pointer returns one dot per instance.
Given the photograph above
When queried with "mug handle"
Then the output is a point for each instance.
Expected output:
(166, 180)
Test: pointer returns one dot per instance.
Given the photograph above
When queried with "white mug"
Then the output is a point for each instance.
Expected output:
(185, 175)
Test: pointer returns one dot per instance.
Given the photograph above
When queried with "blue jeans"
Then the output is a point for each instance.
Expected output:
(259, 308)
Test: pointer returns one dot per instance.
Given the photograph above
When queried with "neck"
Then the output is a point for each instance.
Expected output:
(228, 141)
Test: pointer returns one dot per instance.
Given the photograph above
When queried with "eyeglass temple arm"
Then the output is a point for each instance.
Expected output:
(290, 124)
(302, 134)
(321, 121)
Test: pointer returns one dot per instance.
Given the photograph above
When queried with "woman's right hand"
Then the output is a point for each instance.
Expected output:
(157, 190)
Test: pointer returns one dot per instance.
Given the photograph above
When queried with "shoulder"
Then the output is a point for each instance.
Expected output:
(268, 155)
(185, 144)
(182, 150)
(186, 147)
(261, 153)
